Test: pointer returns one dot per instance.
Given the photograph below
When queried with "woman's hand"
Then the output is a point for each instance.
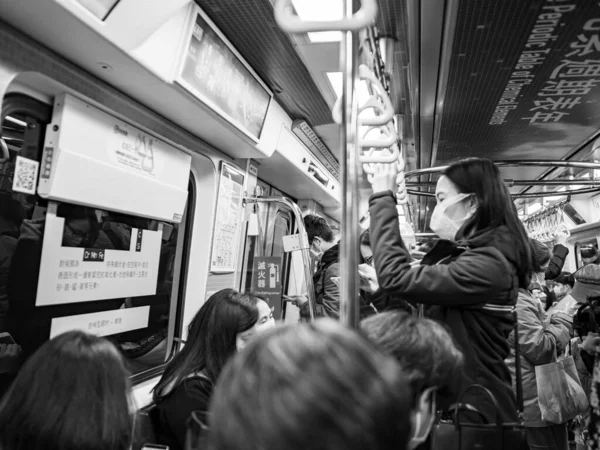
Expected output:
(561, 238)
(297, 300)
(384, 177)
(368, 278)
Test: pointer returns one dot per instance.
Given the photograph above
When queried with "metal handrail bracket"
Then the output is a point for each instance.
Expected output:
(304, 245)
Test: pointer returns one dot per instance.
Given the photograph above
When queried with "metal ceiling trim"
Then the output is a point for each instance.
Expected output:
(413, 12)
(568, 156)
(518, 196)
(432, 21)
(515, 163)
(450, 20)
(511, 183)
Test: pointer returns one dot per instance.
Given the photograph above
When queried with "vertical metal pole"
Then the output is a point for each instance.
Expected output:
(349, 300)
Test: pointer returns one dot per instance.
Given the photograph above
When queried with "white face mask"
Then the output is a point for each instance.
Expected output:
(420, 437)
(441, 223)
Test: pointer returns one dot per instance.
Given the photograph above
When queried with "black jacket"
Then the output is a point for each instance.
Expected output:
(559, 255)
(327, 293)
(479, 270)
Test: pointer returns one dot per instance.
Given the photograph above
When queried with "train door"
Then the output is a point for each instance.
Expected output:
(275, 222)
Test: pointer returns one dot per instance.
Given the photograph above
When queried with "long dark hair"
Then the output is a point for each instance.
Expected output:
(495, 207)
(211, 339)
(72, 394)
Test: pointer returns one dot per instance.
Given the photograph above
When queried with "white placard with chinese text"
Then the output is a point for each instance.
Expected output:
(74, 275)
(228, 220)
(103, 323)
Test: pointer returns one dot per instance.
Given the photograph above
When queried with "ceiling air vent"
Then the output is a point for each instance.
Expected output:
(308, 137)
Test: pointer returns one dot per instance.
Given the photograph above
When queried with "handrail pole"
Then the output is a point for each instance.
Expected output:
(303, 241)
(350, 170)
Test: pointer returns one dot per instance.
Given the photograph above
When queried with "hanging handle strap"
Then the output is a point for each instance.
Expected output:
(290, 22)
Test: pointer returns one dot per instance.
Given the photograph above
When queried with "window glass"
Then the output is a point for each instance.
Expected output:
(22, 223)
(586, 252)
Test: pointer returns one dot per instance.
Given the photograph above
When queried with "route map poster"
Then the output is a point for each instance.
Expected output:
(228, 222)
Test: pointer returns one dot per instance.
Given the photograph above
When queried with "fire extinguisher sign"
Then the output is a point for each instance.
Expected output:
(266, 280)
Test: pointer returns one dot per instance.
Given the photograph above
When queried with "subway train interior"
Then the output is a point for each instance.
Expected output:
(166, 150)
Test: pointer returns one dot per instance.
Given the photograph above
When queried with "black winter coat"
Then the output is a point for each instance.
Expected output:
(479, 270)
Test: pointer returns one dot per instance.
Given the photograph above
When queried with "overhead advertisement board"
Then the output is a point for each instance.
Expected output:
(524, 82)
(215, 73)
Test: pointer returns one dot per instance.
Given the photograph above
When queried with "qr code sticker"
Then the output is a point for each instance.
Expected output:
(26, 171)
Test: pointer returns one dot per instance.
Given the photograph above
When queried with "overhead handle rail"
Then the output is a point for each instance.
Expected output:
(383, 150)
(380, 102)
(290, 22)
(594, 184)
(544, 225)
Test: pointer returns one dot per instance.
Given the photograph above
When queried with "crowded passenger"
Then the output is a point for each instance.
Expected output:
(379, 299)
(225, 323)
(541, 339)
(472, 285)
(429, 358)
(11, 217)
(561, 287)
(587, 284)
(72, 394)
(311, 387)
(321, 238)
(590, 255)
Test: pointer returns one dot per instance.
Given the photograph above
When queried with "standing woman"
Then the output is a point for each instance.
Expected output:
(469, 283)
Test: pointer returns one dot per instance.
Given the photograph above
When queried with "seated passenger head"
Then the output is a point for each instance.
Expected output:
(366, 252)
(317, 386)
(589, 255)
(81, 225)
(320, 235)
(563, 284)
(428, 356)
(587, 283)
(471, 197)
(222, 326)
(265, 314)
(72, 393)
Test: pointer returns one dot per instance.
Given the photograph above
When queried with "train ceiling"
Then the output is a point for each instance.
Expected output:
(503, 80)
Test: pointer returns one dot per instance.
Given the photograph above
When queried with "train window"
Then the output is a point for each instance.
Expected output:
(145, 341)
(586, 252)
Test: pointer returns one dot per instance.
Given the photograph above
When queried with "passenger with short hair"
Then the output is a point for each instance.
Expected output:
(561, 287)
(225, 323)
(320, 238)
(312, 386)
(428, 356)
(470, 279)
(72, 394)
